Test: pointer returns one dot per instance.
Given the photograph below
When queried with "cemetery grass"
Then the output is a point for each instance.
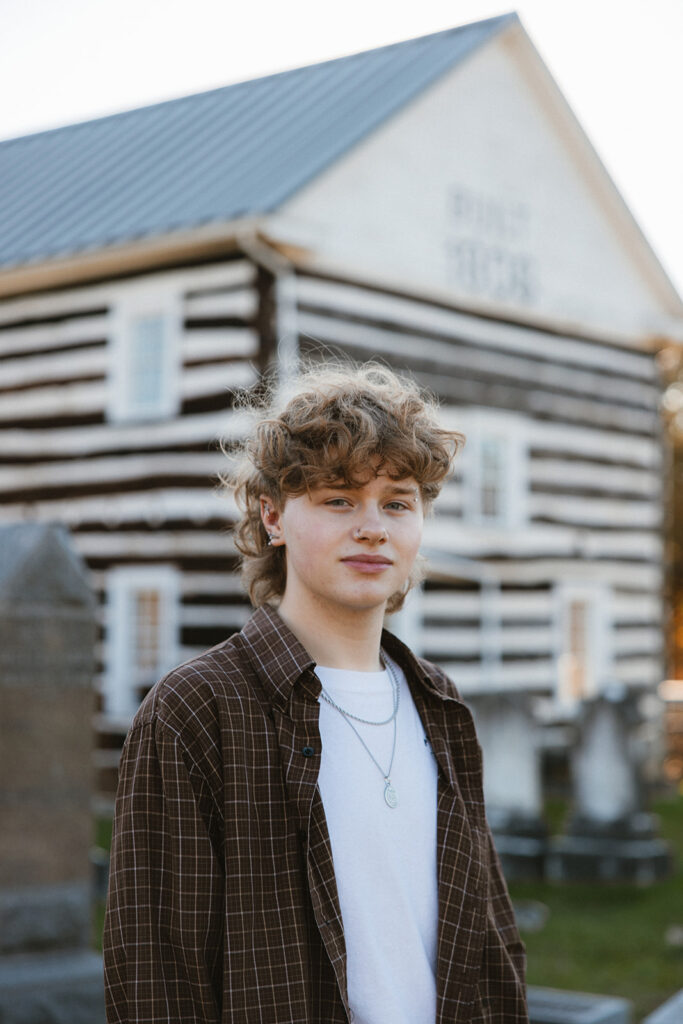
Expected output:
(611, 939)
(598, 938)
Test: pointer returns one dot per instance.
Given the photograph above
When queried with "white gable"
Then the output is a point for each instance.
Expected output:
(485, 189)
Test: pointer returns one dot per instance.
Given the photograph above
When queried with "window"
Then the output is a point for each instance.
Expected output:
(584, 664)
(494, 469)
(142, 633)
(145, 353)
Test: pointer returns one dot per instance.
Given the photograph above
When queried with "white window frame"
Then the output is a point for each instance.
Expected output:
(508, 430)
(599, 640)
(137, 302)
(121, 677)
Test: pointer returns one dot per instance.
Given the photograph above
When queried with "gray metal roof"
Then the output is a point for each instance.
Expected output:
(215, 156)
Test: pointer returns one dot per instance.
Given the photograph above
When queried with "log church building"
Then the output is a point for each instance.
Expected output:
(434, 204)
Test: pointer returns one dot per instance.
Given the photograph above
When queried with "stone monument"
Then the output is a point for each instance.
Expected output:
(610, 836)
(670, 1012)
(48, 975)
(512, 781)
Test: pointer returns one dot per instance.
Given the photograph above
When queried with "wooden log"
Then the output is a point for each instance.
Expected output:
(614, 572)
(238, 305)
(491, 391)
(45, 370)
(156, 507)
(218, 343)
(42, 338)
(85, 441)
(132, 547)
(341, 299)
(453, 640)
(218, 616)
(595, 512)
(466, 360)
(49, 305)
(112, 469)
(571, 476)
(537, 675)
(541, 540)
(639, 640)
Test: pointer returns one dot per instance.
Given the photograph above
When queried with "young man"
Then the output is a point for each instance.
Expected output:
(300, 832)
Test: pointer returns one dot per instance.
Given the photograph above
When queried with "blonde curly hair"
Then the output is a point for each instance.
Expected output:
(327, 426)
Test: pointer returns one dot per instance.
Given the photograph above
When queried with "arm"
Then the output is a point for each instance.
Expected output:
(502, 914)
(502, 987)
(163, 935)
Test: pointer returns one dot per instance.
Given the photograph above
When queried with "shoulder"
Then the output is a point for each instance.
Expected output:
(195, 695)
(438, 678)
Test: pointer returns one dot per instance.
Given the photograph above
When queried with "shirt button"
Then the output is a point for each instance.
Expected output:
(308, 751)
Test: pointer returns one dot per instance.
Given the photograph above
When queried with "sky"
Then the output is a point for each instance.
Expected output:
(618, 63)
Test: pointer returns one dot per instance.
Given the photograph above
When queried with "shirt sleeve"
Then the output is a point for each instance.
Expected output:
(502, 914)
(163, 934)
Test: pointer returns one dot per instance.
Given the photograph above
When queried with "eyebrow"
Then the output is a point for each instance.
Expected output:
(412, 492)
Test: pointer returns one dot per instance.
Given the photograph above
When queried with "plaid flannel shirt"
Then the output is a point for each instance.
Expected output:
(223, 904)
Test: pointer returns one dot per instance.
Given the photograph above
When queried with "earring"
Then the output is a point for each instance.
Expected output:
(270, 540)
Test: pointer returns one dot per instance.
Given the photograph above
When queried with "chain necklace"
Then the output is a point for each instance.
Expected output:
(366, 721)
(390, 794)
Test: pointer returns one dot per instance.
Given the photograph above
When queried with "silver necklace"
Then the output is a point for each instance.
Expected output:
(390, 794)
(395, 688)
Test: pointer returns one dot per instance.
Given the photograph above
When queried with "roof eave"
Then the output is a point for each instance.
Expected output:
(209, 241)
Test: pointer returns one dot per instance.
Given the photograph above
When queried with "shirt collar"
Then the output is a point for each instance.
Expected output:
(435, 681)
(280, 660)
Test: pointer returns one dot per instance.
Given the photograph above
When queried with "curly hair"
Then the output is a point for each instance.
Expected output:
(328, 426)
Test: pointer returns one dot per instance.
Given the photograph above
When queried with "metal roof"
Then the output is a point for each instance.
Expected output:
(236, 151)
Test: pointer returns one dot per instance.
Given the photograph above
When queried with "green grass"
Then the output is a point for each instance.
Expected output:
(610, 939)
(598, 938)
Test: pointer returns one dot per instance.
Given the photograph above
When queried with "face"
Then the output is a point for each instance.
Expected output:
(349, 548)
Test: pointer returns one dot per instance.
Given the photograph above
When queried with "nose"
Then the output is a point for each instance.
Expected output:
(371, 528)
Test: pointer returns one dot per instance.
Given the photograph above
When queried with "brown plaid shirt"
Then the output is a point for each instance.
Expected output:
(223, 903)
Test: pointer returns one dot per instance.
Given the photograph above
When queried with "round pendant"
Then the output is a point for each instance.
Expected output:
(390, 795)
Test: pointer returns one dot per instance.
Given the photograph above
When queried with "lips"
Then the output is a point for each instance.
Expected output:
(371, 564)
(368, 559)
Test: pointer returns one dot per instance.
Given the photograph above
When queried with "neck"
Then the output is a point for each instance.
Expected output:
(349, 641)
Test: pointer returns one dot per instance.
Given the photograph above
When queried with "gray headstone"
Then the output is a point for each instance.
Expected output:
(508, 735)
(555, 1006)
(47, 645)
(670, 1012)
(604, 765)
(611, 837)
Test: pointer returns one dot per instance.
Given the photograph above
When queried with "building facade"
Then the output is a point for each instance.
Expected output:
(433, 204)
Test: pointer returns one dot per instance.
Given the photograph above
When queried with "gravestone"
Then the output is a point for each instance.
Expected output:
(670, 1012)
(610, 836)
(555, 1006)
(512, 781)
(47, 639)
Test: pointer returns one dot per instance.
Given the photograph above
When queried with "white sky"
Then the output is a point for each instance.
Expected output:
(618, 62)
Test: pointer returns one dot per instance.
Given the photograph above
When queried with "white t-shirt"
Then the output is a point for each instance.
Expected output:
(384, 858)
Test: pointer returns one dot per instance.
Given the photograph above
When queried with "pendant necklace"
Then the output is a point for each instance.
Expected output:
(390, 794)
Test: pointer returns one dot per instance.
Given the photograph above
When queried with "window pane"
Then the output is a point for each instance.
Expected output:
(147, 362)
(492, 468)
(578, 649)
(146, 611)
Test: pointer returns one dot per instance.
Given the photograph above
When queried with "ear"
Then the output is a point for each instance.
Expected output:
(272, 520)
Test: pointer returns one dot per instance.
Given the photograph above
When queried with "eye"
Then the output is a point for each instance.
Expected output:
(397, 506)
(337, 502)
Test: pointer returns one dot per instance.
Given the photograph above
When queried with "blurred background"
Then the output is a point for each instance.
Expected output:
(191, 198)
